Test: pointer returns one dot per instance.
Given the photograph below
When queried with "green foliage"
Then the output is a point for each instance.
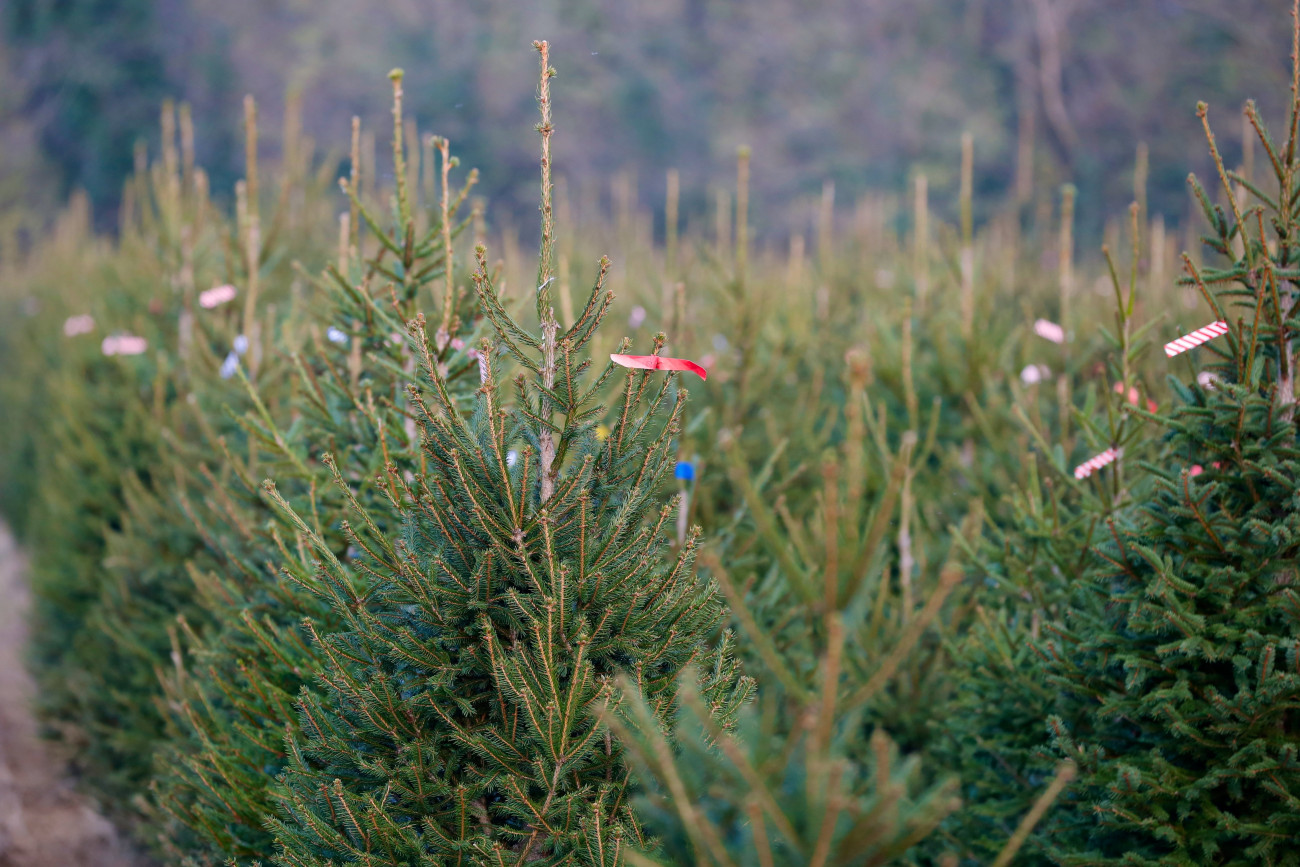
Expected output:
(811, 777)
(1181, 640)
(462, 624)
(771, 795)
(1164, 662)
(137, 472)
(460, 711)
(99, 463)
(232, 702)
(1031, 561)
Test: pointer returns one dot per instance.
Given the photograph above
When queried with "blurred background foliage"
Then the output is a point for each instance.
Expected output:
(861, 92)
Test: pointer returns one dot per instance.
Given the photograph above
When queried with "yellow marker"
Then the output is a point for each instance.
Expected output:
(602, 432)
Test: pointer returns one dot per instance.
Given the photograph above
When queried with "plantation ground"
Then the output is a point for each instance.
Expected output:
(43, 821)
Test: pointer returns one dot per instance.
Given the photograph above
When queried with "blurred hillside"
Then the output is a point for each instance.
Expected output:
(859, 91)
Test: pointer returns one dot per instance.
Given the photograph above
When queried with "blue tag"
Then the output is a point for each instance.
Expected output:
(685, 471)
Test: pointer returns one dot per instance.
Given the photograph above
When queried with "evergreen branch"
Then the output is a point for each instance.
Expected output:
(593, 313)
(1255, 191)
(376, 534)
(374, 226)
(509, 332)
(764, 645)
(1202, 111)
(948, 579)
(313, 388)
(598, 384)
(657, 755)
(739, 475)
(317, 542)
(277, 437)
(481, 510)
(880, 521)
(1252, 115)
(1065, 773)
(758, 789)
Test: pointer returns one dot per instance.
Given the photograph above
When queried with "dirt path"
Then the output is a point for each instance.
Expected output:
(43, 822)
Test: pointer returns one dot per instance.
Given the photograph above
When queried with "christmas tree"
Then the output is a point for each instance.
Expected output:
(841, 652)
(992, 728)
(460, 715)
(803, 779)
(233, 696)
(1182, 641)
(110, 539)
(1169, 673)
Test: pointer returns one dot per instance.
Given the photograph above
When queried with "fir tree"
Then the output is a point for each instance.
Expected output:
(459, 719)
(234, 696)
(812, 776)
(145, 585)
(108, 537)
(1177, 658)
(992, 730)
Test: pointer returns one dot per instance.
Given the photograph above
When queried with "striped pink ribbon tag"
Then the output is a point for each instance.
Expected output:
(1196, 338)
(1094, 463)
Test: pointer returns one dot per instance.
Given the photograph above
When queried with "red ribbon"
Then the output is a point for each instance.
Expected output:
(659, 362)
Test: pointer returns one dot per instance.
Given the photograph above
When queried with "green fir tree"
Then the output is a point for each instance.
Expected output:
(110, 588)
(1163, 658)
(460, 715)
(841, 651)
(234, 694)
(992, 730)
(1183, 641)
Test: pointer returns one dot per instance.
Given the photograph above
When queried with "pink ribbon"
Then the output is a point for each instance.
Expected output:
(659, 362)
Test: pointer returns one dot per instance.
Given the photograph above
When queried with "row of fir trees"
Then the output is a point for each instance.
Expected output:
(350, 545)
